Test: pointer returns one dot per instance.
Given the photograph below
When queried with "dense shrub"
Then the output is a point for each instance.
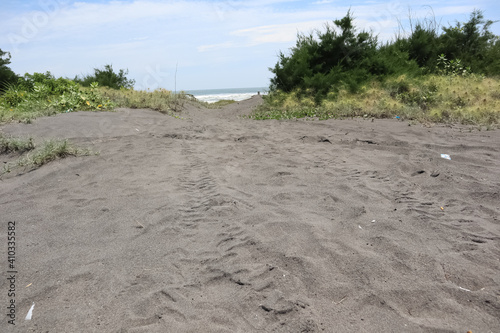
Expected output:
(42, 94)
(106, 77)
(45, 81)
(325, 61)
(425, 75)
(473, 43)
(340, 58)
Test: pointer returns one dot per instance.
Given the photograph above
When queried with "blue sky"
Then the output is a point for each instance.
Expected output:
(213, 44)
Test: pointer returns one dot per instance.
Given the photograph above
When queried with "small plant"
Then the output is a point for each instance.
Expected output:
(36, 156)
(48, 151)
(17, 145)
(451, 67)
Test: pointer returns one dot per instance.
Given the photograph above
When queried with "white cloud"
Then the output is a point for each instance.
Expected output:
(225, 45)
(139, 38)
(281, 33)
(323, 2)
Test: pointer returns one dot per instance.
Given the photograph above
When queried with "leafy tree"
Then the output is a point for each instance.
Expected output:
(339, 57)
(473, 43)
(7, 76)
(107, 77)
(422, 45)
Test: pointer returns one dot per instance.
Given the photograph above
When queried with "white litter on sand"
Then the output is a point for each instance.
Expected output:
(30, 312)
(446, 156)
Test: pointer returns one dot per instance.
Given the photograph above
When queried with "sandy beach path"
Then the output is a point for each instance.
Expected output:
(219, 223)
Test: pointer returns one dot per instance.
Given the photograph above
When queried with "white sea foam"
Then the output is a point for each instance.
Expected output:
(218, 97)
(214, 95)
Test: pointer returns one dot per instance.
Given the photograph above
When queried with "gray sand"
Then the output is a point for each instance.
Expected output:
(216, 223)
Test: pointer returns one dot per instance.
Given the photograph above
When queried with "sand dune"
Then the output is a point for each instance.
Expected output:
(217, 223)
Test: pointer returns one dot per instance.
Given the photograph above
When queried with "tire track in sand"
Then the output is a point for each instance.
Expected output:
(213, 255)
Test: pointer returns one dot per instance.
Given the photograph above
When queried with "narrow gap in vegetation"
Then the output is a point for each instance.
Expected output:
(216, 105)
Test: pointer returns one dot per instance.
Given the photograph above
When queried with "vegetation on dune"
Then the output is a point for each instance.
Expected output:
(32, 156)
(161, 100)
(23, 98)
(447, 75)
(49, 151)
(430, 98)
(216, 105)
(17, 145)
(425, 76)
(41, 94)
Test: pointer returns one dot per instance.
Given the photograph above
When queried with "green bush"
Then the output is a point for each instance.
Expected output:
(337, 57)
(106, 77)
(41, 94)
(340, 58)
(473, 43)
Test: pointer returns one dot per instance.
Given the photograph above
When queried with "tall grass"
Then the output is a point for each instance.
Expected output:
(431, 98)
(215, 105)
(161, 100)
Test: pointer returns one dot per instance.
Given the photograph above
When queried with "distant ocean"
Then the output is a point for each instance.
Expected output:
(237, 94)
